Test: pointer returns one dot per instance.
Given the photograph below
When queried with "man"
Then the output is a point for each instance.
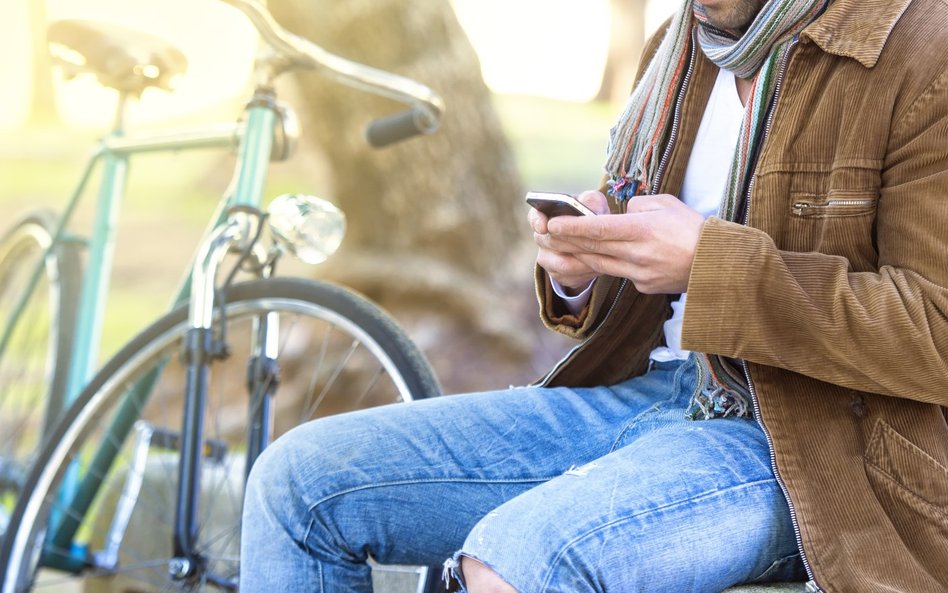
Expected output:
(759, 394)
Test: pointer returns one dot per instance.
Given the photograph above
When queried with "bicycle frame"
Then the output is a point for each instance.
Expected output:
(257, 141)
(255, 138)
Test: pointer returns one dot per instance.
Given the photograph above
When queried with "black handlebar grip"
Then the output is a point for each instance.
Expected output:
(401, 126)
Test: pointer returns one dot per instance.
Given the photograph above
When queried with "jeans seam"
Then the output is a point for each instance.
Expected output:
(559, 555)
(312, 507)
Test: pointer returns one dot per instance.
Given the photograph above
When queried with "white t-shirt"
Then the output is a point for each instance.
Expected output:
(702, 190)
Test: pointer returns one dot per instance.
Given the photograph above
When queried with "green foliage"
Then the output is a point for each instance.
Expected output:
(559, 146)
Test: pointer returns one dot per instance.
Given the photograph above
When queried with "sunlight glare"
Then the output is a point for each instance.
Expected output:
(553, 48)
(14, 67)
(218, 41)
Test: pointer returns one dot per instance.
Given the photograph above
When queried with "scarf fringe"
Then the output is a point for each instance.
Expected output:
(721, 390)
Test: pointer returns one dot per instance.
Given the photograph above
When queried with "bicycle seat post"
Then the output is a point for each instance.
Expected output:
(118, 123)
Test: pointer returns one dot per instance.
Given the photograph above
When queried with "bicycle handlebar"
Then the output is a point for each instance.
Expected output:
(426, 105)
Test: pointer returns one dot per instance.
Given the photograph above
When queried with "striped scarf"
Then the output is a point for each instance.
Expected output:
(646, 123)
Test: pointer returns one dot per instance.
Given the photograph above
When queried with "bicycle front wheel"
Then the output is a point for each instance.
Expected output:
(39, 282)
(336, 352)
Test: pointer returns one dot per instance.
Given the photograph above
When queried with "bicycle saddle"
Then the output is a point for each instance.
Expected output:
(123, 59)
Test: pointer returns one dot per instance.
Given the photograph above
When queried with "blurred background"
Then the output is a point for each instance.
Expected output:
(437, 225)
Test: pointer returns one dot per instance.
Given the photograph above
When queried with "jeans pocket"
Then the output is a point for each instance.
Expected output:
(788, 568)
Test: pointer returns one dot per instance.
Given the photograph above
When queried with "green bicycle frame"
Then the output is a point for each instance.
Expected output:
(247, 190)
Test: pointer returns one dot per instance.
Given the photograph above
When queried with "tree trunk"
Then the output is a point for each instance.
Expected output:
(437, 227)
(43, 100)
(626, 40)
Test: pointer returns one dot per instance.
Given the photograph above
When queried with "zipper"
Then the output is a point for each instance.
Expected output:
(785, 60)
(783, 487)
(804, 208)
(544, 382)
(676, 123)
(811, 586)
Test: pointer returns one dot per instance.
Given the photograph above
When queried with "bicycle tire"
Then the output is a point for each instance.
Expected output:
(300, 301)
(34, 362)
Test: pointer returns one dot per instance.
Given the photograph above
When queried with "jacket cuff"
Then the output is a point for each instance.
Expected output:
(727, 261)
(553, 311)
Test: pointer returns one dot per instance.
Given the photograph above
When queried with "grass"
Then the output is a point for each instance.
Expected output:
(559, 146)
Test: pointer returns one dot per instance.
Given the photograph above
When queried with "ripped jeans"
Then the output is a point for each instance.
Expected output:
(567, 490)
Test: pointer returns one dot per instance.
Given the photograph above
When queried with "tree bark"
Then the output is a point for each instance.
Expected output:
(437, 226)
(626, 40)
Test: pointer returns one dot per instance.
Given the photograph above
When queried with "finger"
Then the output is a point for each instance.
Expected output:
(537, 221)
(576, 245)
(565, 245)
(650, 203)
(566, 269)
(647, 279)
(605, 265)
(607, 227)
(595, 200)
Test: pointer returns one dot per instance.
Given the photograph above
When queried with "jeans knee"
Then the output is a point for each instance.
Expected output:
(306, 462)
(274, 479)
(265, 483)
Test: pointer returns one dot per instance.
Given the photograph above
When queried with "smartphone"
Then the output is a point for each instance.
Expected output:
(554, 204)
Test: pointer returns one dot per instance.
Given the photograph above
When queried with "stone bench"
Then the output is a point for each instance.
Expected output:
(395, 583)
(770, 588)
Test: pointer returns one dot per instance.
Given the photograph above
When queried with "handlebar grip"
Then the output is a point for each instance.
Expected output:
(400, 126)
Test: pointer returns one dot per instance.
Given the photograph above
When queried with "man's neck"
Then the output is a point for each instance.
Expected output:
(744, 86)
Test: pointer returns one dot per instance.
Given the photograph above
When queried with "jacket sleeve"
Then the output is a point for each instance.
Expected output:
(884, 331)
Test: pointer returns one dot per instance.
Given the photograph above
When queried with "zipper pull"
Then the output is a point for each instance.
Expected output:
(803, 208)
(812, 587)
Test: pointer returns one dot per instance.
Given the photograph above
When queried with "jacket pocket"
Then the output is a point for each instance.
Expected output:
(835, 203)
(912, 488)
(837, 222)
(906, 466)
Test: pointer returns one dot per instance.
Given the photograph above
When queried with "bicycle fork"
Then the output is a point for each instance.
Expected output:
(201, 348)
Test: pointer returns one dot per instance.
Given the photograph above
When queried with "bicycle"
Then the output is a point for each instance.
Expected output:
(126, 441)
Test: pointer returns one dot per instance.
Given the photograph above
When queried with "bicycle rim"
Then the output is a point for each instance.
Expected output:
(337, 352)
(34, 360)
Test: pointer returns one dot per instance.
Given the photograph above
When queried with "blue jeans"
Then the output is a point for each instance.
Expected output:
(572, 490)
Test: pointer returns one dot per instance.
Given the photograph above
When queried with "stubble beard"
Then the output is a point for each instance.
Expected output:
(734, 16)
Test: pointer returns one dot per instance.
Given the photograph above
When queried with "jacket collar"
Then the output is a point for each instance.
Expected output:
(856, 29)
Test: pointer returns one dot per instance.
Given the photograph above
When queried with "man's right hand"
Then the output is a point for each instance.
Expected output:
(562, 266)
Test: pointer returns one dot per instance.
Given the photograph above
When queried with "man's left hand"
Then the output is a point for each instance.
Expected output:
(653, 244)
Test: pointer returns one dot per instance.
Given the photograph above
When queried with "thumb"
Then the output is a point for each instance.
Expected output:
(595, 201)
(651, 203)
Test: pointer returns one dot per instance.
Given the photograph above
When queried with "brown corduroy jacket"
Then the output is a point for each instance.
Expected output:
(834, 293)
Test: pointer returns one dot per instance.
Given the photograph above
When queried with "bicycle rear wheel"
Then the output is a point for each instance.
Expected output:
(336, 351)
(35, 330)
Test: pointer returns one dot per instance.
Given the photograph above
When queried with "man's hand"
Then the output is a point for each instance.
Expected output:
(561, 263)
(653, 244)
